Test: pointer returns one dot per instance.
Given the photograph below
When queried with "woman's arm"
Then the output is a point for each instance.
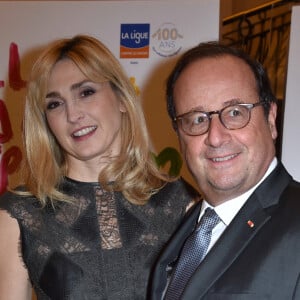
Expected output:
(14, 281)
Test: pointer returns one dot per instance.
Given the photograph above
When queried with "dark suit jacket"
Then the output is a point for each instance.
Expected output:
(262, 262)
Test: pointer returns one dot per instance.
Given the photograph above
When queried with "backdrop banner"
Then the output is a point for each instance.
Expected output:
(146, 36)
(291, 124)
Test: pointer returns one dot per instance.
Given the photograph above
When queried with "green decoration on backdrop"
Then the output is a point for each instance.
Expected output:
(171, 155)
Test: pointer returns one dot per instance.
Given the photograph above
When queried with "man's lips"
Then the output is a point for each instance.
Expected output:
(223, 158)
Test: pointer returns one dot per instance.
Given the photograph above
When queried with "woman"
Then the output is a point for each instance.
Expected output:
(94, 211)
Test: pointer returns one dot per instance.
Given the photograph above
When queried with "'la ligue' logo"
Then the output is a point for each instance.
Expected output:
(166, 40)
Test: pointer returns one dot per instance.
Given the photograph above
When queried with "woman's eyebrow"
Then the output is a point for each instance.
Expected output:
(53, 95)
(74, 87)
(77, 85)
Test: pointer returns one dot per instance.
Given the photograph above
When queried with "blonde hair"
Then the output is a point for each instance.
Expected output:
(134, 171)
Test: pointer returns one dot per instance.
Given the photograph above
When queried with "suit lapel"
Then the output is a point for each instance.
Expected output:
(238, 234)
(227, 248)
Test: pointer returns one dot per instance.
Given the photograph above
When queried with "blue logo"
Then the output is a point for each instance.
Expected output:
(134, 40)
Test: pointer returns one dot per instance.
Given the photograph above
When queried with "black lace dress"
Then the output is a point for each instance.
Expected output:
(102, 247)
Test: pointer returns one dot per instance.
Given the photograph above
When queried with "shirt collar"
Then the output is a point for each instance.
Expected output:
(227, 210)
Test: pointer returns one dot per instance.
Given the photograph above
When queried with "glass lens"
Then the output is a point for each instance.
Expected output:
(235, 116)
(195, 123)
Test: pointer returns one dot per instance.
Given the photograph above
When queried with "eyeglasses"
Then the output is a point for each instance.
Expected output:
(232, 117)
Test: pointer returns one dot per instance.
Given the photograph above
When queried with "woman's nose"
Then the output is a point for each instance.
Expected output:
(74, 111)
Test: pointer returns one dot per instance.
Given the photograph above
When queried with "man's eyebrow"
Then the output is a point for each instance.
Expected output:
(226, 103)
(233, 101)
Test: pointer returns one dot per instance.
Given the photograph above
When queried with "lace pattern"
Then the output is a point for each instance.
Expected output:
(108, 221)
(100, 247)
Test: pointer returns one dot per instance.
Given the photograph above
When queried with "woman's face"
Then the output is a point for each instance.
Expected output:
(84, 116)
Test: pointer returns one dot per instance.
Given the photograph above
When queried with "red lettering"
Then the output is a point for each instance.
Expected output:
(6, 134)
(15, 80)
(10, 161)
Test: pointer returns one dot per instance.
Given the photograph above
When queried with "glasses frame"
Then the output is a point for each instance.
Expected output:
(209, 114)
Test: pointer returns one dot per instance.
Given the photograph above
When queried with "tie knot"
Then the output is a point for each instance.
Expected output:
(209, 220)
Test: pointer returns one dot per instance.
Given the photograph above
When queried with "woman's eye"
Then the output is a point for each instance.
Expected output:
(54, 104)
(87, 92)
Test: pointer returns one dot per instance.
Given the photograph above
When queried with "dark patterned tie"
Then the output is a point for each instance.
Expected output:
(192, 254)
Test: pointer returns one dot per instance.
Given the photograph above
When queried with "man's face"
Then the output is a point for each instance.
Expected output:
(225, 163)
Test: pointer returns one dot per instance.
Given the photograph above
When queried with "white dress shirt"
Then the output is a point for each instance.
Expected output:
(227, 210)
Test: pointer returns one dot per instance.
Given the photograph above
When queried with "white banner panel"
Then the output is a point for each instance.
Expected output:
(291, 124)
(146, 36)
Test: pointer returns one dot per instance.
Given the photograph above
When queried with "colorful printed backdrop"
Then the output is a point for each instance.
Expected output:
(146, 36)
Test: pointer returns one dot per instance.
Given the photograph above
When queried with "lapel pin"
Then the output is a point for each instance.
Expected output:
(250, 224)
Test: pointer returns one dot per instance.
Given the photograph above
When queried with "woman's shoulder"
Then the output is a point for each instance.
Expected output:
(15, 202)
(179, 187)
(8, 196)
(176, 193)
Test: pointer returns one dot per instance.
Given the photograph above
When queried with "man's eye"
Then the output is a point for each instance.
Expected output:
(199, 120)
(235, 112)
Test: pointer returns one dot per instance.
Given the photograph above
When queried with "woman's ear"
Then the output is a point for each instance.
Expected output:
(122, 107)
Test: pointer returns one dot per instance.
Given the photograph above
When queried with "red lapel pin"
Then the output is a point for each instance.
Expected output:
(250, 224)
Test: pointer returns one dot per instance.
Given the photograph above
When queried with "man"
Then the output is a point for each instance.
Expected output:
(224, 113)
